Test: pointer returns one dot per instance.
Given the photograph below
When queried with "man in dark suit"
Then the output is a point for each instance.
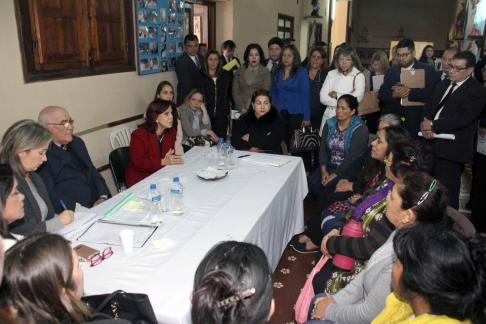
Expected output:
(188, 65)
(454, 109)
(228, 51)
(275, 46)
(392, 96)
(69, 173)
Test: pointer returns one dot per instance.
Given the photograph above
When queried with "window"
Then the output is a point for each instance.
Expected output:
(285, 26)
(73, 38)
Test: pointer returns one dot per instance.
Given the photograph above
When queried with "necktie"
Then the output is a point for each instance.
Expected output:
(197, 63)
(274, 65)
(444, 101)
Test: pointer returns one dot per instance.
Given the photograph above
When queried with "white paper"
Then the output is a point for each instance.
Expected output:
(104, 233)
(378, 81)
(266, 159)
(81, 221)
(441, 136)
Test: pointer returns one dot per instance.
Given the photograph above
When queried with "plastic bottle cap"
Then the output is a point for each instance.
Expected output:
(228, 142)
(152, 187)
(176, 179)
(221, 139)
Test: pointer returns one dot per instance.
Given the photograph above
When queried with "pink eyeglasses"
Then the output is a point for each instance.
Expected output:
(97, 258)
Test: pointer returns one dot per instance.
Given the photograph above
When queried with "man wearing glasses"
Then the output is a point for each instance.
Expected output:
(454, 109)
(392, 92)
(69, 173)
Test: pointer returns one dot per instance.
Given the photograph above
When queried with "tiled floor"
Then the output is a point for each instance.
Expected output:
(293, 268)
(290, 277)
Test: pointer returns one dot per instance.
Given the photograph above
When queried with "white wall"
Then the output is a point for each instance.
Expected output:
(422, 20)
(91, 101)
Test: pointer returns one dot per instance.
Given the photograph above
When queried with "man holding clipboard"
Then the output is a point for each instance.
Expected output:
(407, 86)
(454, 109)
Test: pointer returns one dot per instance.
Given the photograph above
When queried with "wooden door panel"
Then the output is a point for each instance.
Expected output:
(108, 41)
(58, 27)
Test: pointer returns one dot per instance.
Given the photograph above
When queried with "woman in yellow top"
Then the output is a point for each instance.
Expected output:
(439, 276)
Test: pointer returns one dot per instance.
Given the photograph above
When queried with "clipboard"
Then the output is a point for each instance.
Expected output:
(414, 79)
(231, 65)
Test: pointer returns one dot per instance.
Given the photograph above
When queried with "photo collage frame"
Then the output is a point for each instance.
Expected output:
(160, 31)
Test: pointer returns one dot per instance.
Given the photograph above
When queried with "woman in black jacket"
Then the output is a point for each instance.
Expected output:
(215, 83)
(261, 128)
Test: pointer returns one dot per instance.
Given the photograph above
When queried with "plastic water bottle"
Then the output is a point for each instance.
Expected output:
(230, 156)
(177, 197)
(154, 205)
(354, 229)
(221, 153)
(218, 146)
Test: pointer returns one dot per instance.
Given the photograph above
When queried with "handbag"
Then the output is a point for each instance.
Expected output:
(369, 103)
(306, 139)
(201, 141)
(303, 302)
(135, 308)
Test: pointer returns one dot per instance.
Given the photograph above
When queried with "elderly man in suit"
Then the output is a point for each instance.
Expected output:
(454, 109)
(392, 95)
(69, 174)
(187, 67)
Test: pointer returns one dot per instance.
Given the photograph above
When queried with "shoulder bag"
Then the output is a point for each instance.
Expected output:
(306, 139)
(135, 308)
(369, 103)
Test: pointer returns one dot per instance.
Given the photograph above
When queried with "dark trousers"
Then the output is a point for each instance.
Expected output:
(449, 174)
(478, 193)
(326, 198)
(413, 118)
(220, 127)
(293, 122)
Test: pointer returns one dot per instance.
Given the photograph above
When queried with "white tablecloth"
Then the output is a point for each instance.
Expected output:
(262, 205)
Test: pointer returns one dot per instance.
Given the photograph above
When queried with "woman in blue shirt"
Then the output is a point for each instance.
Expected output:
(290, 91)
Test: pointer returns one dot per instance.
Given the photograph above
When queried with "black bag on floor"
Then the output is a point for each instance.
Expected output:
(135, 308)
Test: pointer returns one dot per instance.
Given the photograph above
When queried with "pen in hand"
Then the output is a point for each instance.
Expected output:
(63, 205)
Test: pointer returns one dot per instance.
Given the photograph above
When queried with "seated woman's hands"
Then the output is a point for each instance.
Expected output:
(326, 177)
(344, 185)
(213, 135)
(320, 306)
(324, 250)
(66, 217)
(171, 159)
(354, 198)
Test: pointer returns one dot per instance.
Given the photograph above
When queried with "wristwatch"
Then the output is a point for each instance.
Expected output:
(104, 197)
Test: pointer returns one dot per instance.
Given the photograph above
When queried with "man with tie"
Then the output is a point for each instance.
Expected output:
(69, 173)
(454, 108)
(392, 94)
(187, 67)
(275, 45)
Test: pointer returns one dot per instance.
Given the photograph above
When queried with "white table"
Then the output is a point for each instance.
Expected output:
(258, 204)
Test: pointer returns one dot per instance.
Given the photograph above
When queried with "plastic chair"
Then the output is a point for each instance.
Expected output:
(119, 160)
(121, 136)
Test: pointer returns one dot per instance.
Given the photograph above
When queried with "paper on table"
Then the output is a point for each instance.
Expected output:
(134, 206)
(441, 136)
(265, 159)
(81, 220)
(378, 81)
(104, 233)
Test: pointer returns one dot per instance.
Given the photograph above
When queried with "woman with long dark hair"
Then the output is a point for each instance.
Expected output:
(214, 81)
(43, 282)
(427, 56)
(290, 91)
(439, 277)
(165, 91)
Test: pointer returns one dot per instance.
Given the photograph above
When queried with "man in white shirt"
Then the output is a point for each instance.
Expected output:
(187, 67)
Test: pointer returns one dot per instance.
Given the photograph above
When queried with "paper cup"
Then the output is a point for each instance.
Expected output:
(126, 237)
